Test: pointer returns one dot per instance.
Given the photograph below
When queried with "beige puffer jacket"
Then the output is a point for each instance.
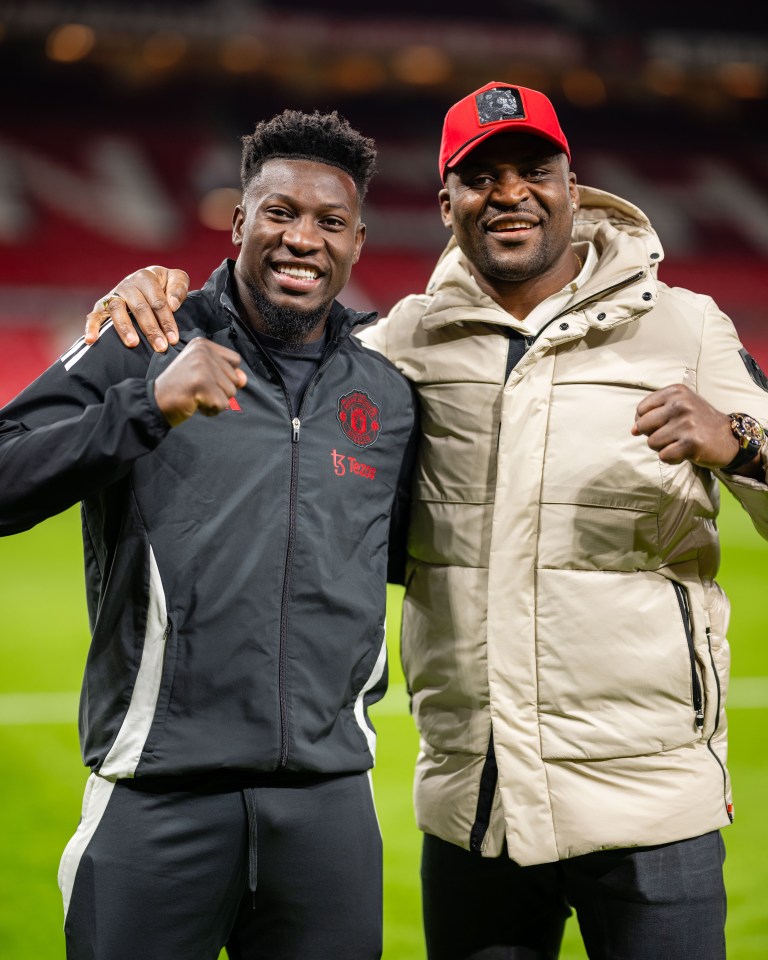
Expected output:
(561, 590)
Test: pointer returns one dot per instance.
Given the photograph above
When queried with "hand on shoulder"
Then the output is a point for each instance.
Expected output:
(148, 298)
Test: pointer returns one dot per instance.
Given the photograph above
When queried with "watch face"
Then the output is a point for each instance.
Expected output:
(747, 430)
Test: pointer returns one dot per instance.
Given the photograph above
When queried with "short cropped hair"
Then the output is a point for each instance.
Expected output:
(322, 137)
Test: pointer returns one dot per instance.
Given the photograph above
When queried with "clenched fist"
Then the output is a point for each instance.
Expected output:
(681, 425)
(204, 377)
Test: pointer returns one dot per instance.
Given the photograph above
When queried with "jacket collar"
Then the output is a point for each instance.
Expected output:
(622, 287)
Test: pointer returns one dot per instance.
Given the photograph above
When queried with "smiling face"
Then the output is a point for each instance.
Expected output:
(510, 206)
(299, 232)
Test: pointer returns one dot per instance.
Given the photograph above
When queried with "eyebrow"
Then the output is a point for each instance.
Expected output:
(287, 198)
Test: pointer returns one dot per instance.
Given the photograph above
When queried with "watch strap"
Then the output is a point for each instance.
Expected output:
(743, 455)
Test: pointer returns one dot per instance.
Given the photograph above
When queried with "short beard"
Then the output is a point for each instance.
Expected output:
(283, 323)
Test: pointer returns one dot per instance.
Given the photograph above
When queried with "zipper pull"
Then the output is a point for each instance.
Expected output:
(296, 423)
(699, 718)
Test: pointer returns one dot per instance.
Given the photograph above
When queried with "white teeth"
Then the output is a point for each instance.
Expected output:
(300, 273)
(511, 226)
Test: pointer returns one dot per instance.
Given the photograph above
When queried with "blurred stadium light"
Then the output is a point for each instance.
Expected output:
(119, 144)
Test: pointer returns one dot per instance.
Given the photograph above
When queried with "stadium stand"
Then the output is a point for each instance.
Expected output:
(124, 149)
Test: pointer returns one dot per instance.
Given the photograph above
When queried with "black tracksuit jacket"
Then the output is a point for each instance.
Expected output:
(236, 565)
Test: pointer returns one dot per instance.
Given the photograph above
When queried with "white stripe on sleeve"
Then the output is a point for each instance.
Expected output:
(79, 348)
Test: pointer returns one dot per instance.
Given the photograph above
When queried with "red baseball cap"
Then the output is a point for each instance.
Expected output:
(497, 108)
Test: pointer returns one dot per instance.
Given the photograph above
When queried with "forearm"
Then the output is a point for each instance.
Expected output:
(47, 468)
(732, 382)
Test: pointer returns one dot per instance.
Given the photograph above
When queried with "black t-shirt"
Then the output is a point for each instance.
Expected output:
(296, 363)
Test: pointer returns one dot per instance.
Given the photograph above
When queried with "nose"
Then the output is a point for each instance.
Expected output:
(302, 235)
(510, 190)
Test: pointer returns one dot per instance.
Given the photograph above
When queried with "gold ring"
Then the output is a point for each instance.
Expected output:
(107, 300)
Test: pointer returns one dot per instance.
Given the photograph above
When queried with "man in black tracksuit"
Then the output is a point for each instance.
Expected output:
(236, 501)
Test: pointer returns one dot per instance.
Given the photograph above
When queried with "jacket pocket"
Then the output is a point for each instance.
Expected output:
(164, 689)
(614, 666)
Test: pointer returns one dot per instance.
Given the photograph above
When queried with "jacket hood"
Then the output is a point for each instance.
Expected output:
(617, 228)
(599, 205)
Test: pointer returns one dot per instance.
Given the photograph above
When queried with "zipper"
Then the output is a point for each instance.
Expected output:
(682, 599)
(295, 422)
(290, 550)
(282, 654)
(488, 780)
(696, 693)
(728, 808)
(287, 572)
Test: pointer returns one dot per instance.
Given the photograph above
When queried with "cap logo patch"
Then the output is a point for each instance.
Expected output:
(359, 418)
(500, 103)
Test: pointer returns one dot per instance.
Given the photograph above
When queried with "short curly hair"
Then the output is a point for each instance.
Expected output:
(323, 137)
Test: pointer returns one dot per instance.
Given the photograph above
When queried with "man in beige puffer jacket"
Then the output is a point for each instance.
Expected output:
(564, 639)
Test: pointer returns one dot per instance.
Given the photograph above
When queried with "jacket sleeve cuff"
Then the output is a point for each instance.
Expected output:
(157, 424)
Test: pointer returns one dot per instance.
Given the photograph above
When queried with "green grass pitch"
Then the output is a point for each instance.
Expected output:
(43, 641)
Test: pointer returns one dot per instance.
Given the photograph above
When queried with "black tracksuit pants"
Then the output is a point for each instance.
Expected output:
(273, 870)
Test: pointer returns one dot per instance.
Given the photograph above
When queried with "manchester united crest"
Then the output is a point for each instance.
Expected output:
(359, 418)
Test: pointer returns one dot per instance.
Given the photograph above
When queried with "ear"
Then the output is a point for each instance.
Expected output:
(359, 241)
(444, 197)
(238, 224)
(573, 191)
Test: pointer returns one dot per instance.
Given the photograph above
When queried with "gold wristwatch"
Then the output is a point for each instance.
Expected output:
(751, 437)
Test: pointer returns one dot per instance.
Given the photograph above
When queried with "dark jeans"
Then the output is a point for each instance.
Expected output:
(664, 902)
